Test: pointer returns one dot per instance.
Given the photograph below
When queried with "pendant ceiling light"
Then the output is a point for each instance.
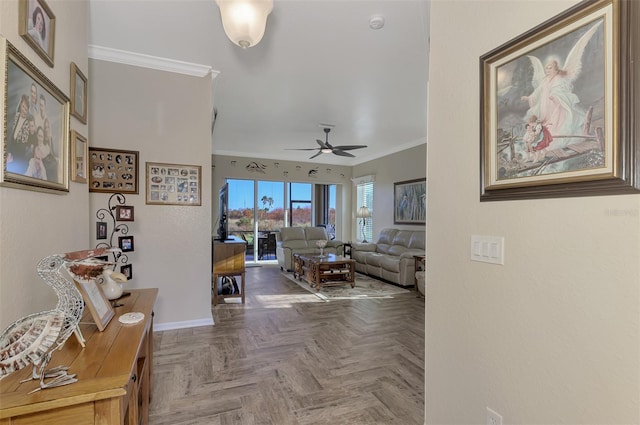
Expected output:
(244, 21)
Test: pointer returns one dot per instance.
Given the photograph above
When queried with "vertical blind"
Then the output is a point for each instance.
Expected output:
(365, 198)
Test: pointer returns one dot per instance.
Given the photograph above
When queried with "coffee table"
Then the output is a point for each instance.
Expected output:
(326, 270)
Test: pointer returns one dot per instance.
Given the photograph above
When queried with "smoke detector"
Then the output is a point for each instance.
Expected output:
(376, 22)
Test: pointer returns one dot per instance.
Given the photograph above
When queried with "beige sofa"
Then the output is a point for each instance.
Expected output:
(302, 240)
(392, 256)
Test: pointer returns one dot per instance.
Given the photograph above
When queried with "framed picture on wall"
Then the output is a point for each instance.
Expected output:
(124, 213)
(37, 26)
(410, 202)
(79, 160)
(173, 184)
(34, 145)
(125, 243)
(113, 170)
(556, 110)
(101, 230)
(78, 94)
(127, 271)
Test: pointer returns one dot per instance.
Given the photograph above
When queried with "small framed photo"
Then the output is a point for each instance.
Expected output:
(125, 243)
(113, 171)
(80, 152)
(78, 94)
(127, 271)
(101, 230)
(124, 213)
(173, 184)
(37, 26)
(99, 306)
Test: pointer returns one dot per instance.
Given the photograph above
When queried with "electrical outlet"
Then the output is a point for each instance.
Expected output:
(493, 418)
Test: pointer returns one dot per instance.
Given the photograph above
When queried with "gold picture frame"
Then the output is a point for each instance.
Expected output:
(556, 108)
(79, 157)
(79, 88)
(113, 170)
(37, 25)
(29, 101)
(173, 184)
(94, 298)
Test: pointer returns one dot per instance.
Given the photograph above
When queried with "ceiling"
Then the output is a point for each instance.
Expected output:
(319, 62)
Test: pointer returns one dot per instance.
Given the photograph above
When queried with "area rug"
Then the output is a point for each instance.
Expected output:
(366, 288)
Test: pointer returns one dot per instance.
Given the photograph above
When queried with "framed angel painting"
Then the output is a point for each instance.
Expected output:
(555, 115)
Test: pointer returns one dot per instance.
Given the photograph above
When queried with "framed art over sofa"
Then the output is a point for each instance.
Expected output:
(410, 201)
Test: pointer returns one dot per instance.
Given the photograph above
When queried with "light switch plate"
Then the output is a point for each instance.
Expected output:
(487, 249)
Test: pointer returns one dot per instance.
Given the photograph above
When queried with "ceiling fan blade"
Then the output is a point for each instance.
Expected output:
(301, 149)
(319, 153)
(322, 144)
(349, 147)
(342, 153)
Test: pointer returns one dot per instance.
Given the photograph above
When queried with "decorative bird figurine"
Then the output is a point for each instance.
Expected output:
(112, 284)
(33, 338)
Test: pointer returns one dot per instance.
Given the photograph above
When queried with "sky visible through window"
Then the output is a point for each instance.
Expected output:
(241, 193)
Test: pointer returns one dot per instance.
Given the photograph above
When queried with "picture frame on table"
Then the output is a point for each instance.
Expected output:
(37, 25)
(124, 213)
(556, 107)
(127, 271)
(410, 201)
(113, 170)
(79, 160)
(173, 184)
(101, 230)
(98, 304)
(33, 107)
(125, 243)
(79, 89)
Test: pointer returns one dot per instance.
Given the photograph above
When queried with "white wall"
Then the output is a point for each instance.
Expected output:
(166, 117)
(34, 224)
(406, 165)
(551, 337)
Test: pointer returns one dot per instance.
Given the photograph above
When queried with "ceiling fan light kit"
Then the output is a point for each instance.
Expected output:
(244, 21)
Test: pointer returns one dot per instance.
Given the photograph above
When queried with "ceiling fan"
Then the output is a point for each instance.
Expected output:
(325, 147)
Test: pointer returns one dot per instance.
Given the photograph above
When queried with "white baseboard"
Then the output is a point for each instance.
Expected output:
(158, 327)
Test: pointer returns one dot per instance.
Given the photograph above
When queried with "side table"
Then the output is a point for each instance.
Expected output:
(420, 267)
(347, 249)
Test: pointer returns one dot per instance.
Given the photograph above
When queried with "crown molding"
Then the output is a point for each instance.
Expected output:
(152, 62)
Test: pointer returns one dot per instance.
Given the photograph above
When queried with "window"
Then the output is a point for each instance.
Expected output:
(300, 204)
(365, 199)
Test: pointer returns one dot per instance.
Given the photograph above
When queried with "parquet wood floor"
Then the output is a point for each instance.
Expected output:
(285, 357)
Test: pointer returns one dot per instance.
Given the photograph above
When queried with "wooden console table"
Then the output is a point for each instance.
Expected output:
(114, 374)
(228, 260)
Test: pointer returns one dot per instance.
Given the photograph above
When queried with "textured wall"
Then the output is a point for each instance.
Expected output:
(34, 224)
(551, 337)
(166, 117)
